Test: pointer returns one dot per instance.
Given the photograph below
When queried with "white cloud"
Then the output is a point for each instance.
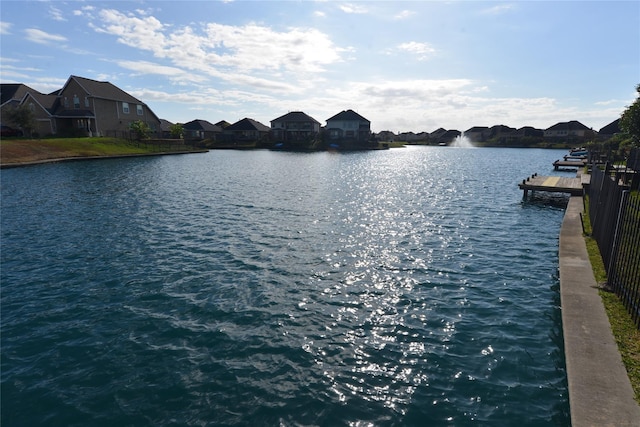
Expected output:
(319, 14)
(5, 28)
(498, 9)
(231, 53)
(56, 14)
(41, 37)
(421, 50)
(176, 74)
(84, 11)
(404, 14)
(353, 8)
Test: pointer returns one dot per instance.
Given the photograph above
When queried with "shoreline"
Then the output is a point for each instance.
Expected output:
(83, 158)
(600, 392)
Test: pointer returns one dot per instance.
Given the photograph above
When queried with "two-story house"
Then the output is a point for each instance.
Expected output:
(100, 108)
(83, 107)
(294, 126)
(570, 129)
(348, 125)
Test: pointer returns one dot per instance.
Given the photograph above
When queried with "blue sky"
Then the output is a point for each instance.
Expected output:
(406, 66)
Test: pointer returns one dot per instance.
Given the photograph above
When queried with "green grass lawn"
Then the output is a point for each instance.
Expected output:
(13, 151)
(624, 330)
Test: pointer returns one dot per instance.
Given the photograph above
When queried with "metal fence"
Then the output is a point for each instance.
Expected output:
(614, 211)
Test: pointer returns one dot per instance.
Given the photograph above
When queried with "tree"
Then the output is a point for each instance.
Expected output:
(141, 129)
(630, 120)
(176, 130)
(22, 117)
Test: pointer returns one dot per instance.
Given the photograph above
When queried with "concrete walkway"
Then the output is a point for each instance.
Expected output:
(600, 393)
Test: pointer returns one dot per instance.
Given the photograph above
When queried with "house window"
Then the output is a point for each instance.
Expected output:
(125, 107)
(86, 101)
(76, 102)
(32, 107)
(66, 102)
(80, 124)
(139, 109)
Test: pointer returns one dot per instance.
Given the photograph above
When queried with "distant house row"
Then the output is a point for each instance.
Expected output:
(295, 126)
(505, 134)
(86, 107)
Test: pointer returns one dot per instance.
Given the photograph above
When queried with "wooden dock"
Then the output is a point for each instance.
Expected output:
(564, 164)
(553, 184)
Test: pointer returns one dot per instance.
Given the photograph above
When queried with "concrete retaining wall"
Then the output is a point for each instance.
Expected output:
(600, 393)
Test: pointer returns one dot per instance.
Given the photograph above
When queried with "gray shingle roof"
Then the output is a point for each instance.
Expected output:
(248, 124)
(295, 116)
(104, 90)
(202, 125)
(572, 125)
(348, 115)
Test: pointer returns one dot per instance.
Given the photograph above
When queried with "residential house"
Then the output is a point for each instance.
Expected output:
(198, 130)
(83, 107)
(477, 133)
(437, 134)
(442, 137)
(100, 108)
(246, 130)
(12, 93)
(529, 132)
(501, 132)
(609, 130)
(572, 129)
(407, 137)
(348, 125)
(42, 106)
(386, 135)
(295, 126)
(165, 129)
(223, 124)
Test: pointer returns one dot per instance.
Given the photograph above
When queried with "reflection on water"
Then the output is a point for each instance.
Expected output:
(405, 287)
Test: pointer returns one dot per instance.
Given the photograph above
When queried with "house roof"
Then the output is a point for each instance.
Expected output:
(14, 91)
(48, 102)
(165, 125)
(248, 124)
(572, 125)
(477, 129)
(103, 90)
(202, 125)
(612, 128)
(348, 115)
(295, 116)
(223, 124)
(502, 129)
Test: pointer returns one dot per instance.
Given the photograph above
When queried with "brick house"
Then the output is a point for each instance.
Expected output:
(83, 107)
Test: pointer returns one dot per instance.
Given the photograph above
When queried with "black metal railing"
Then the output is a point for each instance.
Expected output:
(614, 211)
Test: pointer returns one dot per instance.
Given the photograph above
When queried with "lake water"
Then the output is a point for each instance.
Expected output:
(404, 287)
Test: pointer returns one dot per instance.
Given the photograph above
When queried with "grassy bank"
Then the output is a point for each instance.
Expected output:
(626, 334)
(16, 151)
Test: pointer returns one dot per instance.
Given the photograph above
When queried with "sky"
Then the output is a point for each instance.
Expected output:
(404, 65)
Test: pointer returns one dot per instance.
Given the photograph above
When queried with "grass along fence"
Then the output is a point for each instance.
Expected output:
(615, 219)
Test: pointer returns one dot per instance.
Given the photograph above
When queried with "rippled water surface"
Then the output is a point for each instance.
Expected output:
(402, 287)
